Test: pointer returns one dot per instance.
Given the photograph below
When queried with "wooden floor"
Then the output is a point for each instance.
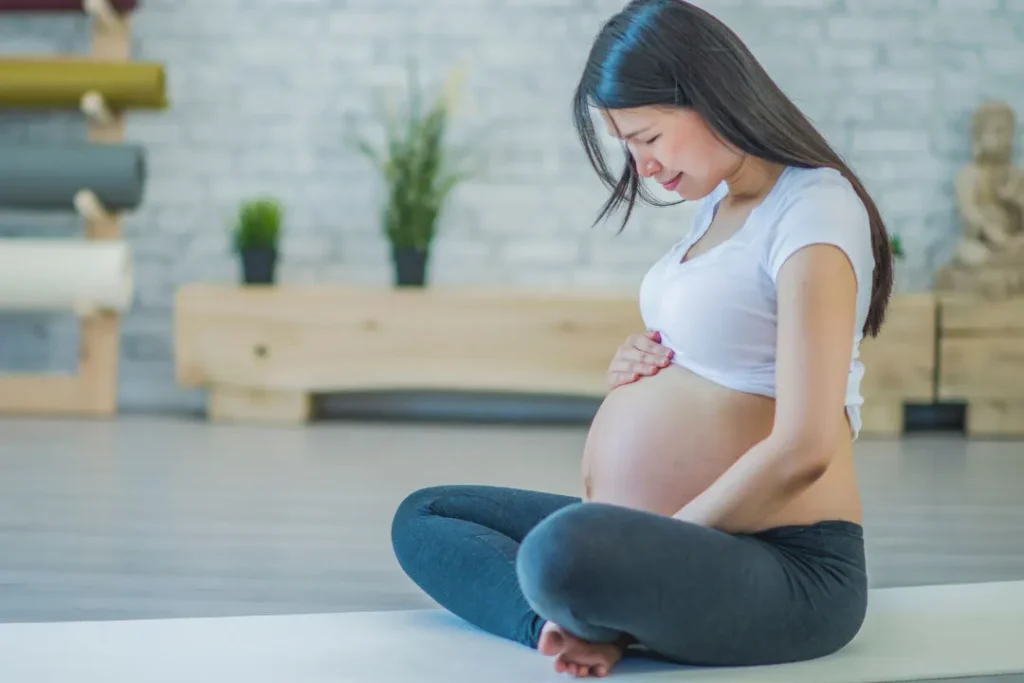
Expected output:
(143, 518)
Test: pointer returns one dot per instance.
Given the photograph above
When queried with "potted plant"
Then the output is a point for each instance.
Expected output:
(896, 246)
(419, 171)
(256, 239)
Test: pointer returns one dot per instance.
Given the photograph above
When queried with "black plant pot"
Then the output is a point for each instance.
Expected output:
(259, 266)
(410, 266)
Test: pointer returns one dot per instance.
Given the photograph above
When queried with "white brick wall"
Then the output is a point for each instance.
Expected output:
(263, 92)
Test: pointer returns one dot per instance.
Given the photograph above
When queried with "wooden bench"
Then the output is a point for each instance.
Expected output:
(899, 364)
(981, 363)
(263, 353)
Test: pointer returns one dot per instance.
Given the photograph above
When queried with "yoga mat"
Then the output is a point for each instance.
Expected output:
(62, 81)
(82, 276)
(121, 6)
(47, 176)
(910, 634)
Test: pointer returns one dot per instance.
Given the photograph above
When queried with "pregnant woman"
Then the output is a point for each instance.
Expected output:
(719, 522)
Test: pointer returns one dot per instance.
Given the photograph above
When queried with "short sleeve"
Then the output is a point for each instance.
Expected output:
(824, 211)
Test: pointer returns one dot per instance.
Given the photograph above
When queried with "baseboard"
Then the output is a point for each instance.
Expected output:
(935, 417)
(469, 407)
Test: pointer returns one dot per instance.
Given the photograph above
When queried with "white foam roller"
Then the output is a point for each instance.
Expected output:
(77, 275)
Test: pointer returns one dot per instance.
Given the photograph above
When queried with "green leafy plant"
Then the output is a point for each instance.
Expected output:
(419, 168)
(896, 246)
(258, 225)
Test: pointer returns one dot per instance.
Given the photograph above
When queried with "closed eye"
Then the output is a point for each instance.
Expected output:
(651, 141)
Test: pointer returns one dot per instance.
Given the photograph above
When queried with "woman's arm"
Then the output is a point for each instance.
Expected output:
(816, 316)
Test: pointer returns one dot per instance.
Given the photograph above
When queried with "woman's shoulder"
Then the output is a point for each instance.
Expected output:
(815, 199)
(817, 205)
(824, 186)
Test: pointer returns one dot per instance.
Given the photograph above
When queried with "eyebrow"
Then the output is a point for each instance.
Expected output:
(637, 132)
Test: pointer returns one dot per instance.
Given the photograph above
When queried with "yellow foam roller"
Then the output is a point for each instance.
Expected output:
(62, 83)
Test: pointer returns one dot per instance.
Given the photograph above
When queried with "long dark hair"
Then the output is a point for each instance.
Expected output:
(672, 53)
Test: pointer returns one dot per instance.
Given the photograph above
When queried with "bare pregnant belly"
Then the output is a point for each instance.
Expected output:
(658, 443)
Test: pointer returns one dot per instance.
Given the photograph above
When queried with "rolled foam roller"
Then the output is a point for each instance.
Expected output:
(48, 176)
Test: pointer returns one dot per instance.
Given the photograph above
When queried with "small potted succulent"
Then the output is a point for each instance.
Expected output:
(257, 239)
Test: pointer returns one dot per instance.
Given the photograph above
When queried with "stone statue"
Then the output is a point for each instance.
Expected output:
(989, 258)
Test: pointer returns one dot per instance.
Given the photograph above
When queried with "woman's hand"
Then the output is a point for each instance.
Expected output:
(641, 355)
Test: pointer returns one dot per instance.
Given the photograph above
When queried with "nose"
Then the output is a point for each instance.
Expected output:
(647, 167)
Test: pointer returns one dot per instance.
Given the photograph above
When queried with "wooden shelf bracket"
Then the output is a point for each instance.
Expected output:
(104, 13)
(90, 207)
(94, 106)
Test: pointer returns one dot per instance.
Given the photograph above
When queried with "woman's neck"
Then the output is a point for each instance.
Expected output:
(752, 179)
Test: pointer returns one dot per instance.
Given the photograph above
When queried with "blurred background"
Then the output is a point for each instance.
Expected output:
(263, 97)
(238, 182)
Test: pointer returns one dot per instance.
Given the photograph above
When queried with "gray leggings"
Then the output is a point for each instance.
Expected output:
(506, 560)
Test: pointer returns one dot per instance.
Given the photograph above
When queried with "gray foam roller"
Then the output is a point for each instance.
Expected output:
(47, 176)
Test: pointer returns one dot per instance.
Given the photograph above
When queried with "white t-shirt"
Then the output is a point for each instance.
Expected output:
(717, 311)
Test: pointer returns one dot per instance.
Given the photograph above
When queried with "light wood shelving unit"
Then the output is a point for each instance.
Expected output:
(92, 389)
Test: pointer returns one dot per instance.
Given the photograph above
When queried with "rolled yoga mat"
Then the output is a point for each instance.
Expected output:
(58, 275)
(47, 176)
(121, 6)
(61, 83)
(914, 633)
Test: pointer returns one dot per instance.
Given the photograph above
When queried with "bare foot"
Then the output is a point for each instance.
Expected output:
(578, 657)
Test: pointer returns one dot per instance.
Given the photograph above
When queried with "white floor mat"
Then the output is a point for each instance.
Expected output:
(910, 634)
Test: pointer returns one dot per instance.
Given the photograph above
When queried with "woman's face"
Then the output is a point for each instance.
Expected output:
(675, 147)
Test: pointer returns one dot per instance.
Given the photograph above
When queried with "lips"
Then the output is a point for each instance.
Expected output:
(673, 183)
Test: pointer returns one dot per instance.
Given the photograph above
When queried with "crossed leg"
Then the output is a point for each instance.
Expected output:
(510, 560)
(459, 545)
(690, 593)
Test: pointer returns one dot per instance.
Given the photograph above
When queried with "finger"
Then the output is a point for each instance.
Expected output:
(656, 349)
(624, 366)
(644, 369)
(629, 358)
(637, 367)
(620, 379)
(659, 358)
(625, 376)
(643, 344)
